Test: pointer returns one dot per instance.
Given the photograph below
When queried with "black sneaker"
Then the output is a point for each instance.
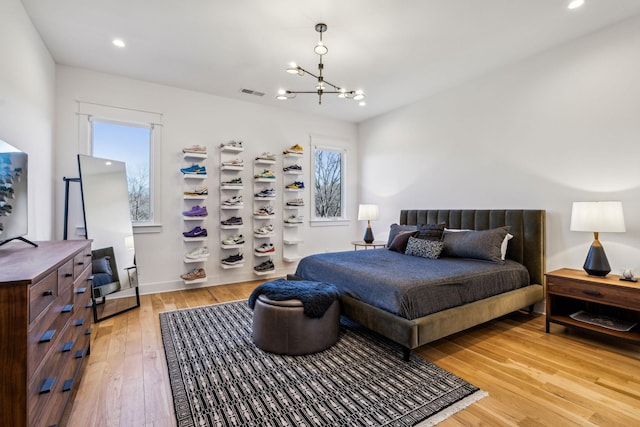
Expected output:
(265, 266)
(234, 220)
(233, 259)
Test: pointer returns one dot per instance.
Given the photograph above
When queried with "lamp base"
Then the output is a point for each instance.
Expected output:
(368, 235)
(596, 263)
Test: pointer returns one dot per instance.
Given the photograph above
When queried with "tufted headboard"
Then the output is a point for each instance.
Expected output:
(527, 226)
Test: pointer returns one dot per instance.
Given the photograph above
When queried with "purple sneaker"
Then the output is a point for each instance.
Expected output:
(196, 232)
(196, 211)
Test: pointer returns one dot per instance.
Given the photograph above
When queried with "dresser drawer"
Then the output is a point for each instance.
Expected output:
(81, 261)
(65, 276)
(46, 331)
(598, 292)
(42, 294)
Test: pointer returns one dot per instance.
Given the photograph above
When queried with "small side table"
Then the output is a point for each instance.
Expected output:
(374, 244)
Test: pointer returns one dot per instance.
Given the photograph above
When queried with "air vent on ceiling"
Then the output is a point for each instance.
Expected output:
(252, 92)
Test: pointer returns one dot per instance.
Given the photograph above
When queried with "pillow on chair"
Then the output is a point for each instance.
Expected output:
(101, 265)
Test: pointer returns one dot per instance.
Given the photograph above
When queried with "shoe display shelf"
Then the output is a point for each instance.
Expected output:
(264, 197)
(231, 168)
(293, 205)
(195, 193)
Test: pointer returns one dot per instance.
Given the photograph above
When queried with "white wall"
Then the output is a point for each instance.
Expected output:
(559, 127)
(196, 118)
(27, 77)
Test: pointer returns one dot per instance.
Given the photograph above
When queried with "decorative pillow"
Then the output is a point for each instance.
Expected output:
(503, 247)
(101, 265)
(430, 231)
(399, 243)
(395, 229)
(424, 248)
(485, 244)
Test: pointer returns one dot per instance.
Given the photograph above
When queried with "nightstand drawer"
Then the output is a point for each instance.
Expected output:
(624, 297)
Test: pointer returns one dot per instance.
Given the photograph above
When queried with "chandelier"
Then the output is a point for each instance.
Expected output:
(322, 87)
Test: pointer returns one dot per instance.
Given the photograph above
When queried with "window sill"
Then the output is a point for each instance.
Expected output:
(341, 222)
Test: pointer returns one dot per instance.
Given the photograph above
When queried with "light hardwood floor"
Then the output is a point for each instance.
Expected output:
(533, 379)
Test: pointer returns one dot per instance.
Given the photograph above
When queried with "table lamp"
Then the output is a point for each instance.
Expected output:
(597, 217)
(368, 212)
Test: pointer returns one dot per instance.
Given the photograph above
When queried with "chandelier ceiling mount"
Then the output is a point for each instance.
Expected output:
(323, 87)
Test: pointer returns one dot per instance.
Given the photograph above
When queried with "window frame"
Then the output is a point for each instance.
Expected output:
(90, 112)
(343, 218)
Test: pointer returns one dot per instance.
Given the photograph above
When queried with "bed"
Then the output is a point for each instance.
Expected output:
(410, 317)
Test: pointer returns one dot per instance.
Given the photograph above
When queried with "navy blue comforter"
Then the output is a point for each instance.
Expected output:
(410, 286)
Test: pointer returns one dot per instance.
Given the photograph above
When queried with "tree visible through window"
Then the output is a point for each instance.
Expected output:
(328, 183)
(130, 144)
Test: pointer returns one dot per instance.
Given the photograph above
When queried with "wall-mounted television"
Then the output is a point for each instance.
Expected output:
(13, 194)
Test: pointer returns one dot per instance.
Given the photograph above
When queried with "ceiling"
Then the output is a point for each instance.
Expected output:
(396, 51)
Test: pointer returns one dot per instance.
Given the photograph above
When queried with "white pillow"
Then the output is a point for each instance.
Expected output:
(503, 248)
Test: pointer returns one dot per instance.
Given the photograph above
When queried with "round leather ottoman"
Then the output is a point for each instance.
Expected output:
(281, 327)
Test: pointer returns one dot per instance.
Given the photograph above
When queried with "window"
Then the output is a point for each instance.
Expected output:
(130, 144)
(328, 183)
(134, 137)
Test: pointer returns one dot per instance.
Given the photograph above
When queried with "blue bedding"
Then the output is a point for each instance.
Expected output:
(410, 286)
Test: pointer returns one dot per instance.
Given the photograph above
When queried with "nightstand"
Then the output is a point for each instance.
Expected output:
(374, 244)
(602, 300)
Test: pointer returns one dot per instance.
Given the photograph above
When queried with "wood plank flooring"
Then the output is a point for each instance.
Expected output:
(564, 378)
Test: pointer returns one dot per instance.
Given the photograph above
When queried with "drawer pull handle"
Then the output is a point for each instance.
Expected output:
(47, 385)
(592, 293)
(89, 277)
(67, 346)
(81, 290)
(88, 331)
(79, 354)
(67, 308)
(47, 336)
(47, 293)
(80, 263)
(79, 322)
(87, 255)
(89, 304)
(68, 384)
(68, 275)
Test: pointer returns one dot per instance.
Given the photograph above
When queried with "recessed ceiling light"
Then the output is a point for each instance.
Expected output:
(118, 42)
(362, 103)
(574, 4)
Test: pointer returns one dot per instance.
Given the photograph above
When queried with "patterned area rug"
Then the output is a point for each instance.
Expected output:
(220, 378)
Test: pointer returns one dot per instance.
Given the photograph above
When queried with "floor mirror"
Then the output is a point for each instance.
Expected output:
(107, 220)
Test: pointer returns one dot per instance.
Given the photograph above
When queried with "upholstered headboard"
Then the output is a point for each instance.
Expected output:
(527, 226)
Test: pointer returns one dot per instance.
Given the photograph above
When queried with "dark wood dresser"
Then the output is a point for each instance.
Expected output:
(45, 322)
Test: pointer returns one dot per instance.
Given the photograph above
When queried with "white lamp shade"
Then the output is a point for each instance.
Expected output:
(599, 217)
(367, 212)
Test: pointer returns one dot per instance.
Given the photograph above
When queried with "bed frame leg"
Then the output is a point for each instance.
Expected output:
(406, 353)
(531, 309)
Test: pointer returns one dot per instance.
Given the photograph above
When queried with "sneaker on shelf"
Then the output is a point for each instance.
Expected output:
(295, 202)
(232, 144)
(264, 230)
(266, 156)
(195, 149)
(265, 211)
(233, 259)
(198, 191)
(232, 182)
(195, 232)
(196, 211)
(296, 185)
(295, 149)
(265, 266)
(265, 248)
(269, 192)
(194, 169)
(196, 273)
(234, 240)
(234, 201)
(294, 219)
(234, 162)
(265, 174)
(197, 253)
(292, 168)
(234, 220)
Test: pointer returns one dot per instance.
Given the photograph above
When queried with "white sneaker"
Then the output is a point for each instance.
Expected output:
(294, 220)
(265, 248)
(234, 201)
(198, 253)
(264, 230)
(266, 156)
(234, 240)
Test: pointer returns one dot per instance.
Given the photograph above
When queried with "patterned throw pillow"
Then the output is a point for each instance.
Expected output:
(424, 248)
